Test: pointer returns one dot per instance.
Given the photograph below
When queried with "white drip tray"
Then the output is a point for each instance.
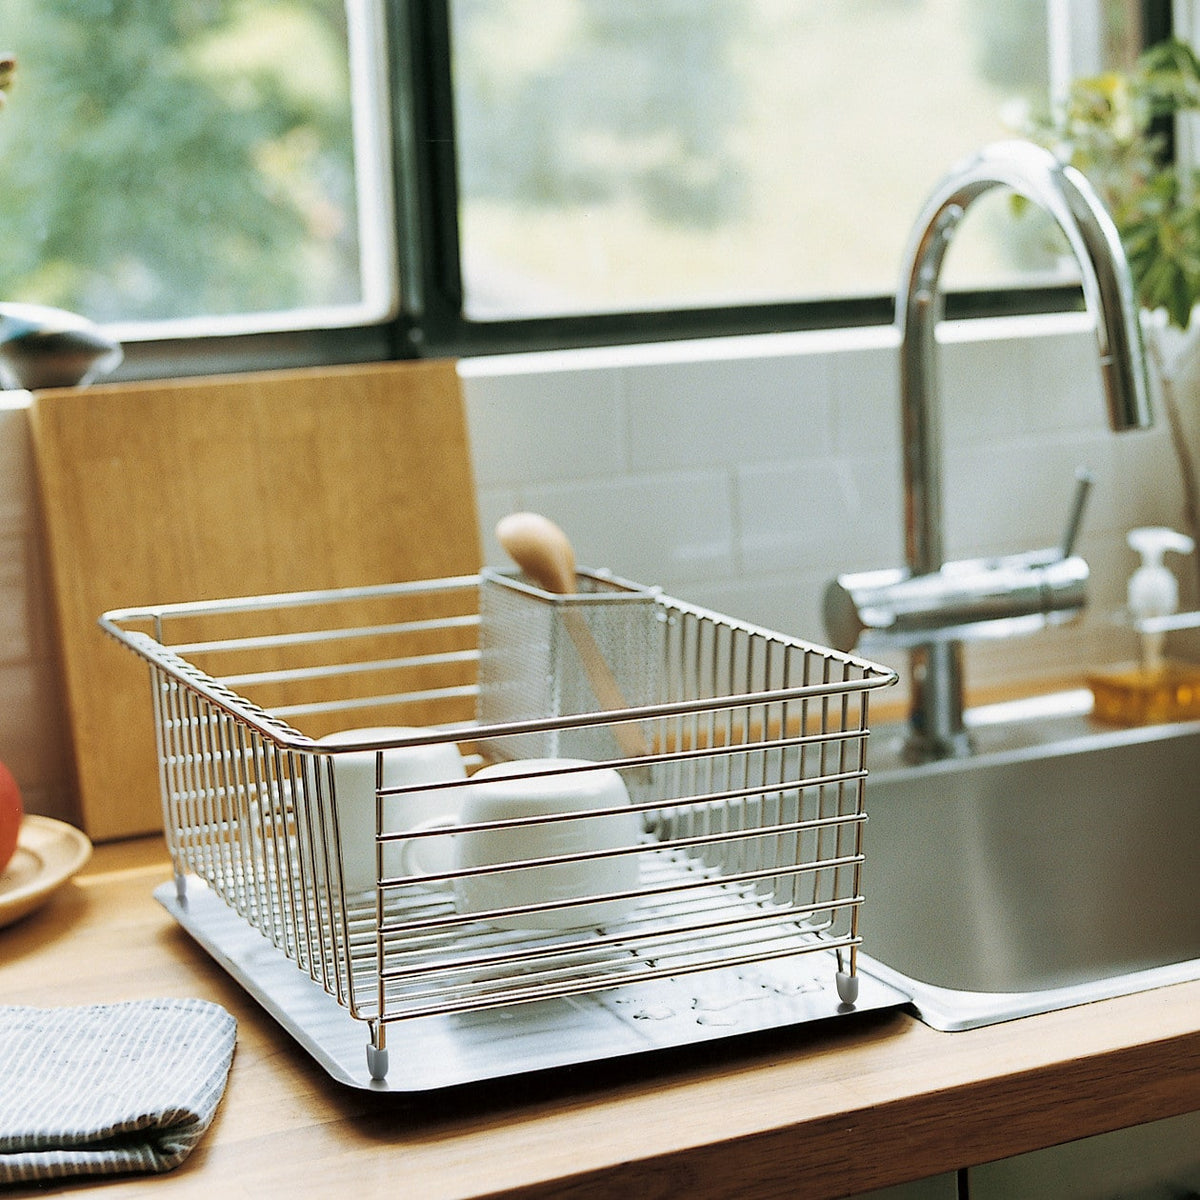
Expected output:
(442, 1051)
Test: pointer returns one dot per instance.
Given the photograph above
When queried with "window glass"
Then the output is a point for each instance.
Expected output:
(632, 156)
(205, 163)
(180, 168)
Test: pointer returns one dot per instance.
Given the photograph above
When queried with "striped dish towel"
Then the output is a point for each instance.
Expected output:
(108, 1088)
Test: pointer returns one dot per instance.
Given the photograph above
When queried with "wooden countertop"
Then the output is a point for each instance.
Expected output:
(822, 1111)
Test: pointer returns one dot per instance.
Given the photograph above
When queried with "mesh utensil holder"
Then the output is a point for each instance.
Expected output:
(546, 655)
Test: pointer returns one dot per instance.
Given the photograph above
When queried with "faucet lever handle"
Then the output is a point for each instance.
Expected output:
(1083, 487)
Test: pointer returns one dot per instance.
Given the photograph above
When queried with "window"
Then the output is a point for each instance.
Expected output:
(203, 172)
(187, 168)
(617, 157)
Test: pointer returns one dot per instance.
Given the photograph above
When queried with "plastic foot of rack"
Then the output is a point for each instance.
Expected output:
(847, 986)
(377, 1062)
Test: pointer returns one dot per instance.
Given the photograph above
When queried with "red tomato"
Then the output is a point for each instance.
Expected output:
(10, 815)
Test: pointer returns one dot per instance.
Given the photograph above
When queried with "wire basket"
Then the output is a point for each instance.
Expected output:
(707, 834)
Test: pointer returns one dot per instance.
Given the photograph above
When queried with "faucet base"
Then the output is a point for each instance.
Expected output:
(936, 728)
(918, 748)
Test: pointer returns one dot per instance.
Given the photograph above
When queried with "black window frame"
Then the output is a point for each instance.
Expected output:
(430, 321)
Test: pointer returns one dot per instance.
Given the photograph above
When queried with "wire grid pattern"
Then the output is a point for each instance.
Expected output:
(751, 805)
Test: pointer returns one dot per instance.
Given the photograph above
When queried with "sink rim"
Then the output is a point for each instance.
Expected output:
(1016, 730)
(951, 1010)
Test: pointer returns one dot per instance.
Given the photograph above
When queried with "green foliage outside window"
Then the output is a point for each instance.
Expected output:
(618, 98)
(177, 159)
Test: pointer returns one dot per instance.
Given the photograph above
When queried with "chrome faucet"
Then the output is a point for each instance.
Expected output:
(932, 605)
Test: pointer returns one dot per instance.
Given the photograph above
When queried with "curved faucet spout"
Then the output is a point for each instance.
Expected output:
(1065, 194)
(1034, 173)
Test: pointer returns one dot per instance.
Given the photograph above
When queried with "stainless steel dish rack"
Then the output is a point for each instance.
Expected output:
(746, 779)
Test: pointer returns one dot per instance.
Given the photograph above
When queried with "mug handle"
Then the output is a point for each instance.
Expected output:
(428, 855)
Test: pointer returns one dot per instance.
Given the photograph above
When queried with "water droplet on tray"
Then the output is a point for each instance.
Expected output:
(654, 1012)
(707, 1017)
(797, 987)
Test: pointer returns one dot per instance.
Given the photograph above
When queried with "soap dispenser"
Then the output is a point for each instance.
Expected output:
(1156, 690)
(1153, 591)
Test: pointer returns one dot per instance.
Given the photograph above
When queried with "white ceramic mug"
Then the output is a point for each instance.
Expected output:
(530, 788)
(403, 766)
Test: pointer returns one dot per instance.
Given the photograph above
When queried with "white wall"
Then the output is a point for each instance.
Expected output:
(737, 473)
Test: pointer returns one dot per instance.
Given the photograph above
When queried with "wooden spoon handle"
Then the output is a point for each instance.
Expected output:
(603, 682)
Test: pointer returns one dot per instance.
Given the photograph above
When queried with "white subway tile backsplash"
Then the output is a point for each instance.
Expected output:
(873, 533)
(684, 416)
(796, 516)
(545, 427)
(1002, 497)
(995, 385)
(668, 530)
(1111, 562)
(978, 397)
(1146, 487)
(1061, 387)
(865, 402)
(494, 503)
(785, 602)
(1049, 654)
(843, 514)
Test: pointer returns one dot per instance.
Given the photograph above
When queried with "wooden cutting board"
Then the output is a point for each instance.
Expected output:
(232, 486)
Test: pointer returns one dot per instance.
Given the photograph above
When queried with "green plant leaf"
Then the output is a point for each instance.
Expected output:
(1107, 129)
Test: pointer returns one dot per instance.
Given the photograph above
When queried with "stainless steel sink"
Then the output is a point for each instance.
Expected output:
(1059, 865)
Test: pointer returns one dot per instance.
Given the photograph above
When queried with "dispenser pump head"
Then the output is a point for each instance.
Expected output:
(1153, 591)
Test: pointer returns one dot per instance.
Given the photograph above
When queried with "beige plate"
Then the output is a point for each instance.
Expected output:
(48, 853)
